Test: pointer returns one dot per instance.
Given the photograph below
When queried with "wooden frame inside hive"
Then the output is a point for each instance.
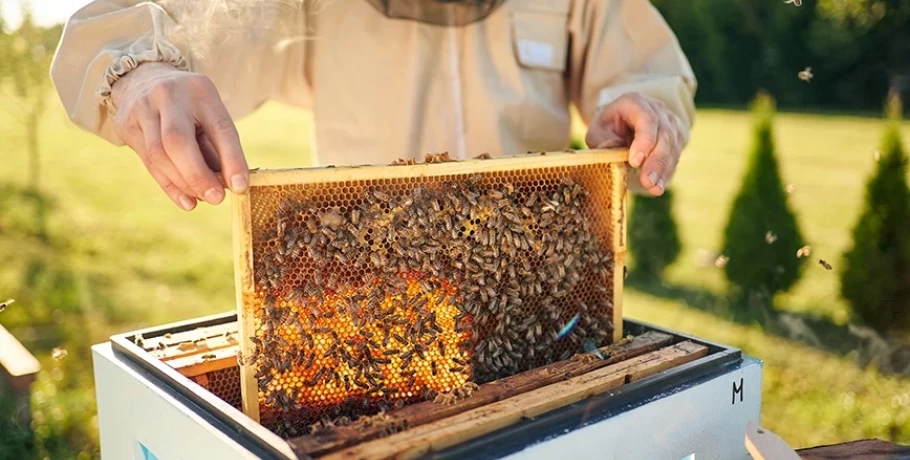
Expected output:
(601, 174)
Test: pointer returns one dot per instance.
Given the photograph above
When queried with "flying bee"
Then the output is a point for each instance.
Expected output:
(5, 304)
(805, 74)
(58, 353)
(770, 237)
(721, 261)
(796, 3)
(825, 264)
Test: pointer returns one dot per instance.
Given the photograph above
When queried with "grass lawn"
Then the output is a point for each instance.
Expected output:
(118, 255)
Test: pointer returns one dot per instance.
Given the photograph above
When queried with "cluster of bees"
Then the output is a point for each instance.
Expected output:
(415, 292)
(453, 396)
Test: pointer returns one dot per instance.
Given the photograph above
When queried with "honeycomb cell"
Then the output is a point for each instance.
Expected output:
(421, 285)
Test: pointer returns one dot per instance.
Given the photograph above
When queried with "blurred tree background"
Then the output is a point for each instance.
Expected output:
(857, 49)
(876, 276)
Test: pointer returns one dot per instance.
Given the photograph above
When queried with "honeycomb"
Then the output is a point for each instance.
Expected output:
(223, 383)
(369, 294)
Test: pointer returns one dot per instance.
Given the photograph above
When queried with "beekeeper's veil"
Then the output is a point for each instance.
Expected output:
(439, 12)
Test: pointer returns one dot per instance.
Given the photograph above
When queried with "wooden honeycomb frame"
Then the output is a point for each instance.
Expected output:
(243, 222)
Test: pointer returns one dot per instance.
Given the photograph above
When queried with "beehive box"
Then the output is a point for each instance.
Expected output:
(364, 289)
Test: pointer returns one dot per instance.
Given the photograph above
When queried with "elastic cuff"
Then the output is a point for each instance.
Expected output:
(160, 52)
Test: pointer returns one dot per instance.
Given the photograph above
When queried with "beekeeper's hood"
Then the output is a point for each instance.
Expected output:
(439, 12)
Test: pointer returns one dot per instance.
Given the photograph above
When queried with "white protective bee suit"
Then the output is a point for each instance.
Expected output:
(382, 88)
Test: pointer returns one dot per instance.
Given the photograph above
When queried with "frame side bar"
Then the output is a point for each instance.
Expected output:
(243, 274)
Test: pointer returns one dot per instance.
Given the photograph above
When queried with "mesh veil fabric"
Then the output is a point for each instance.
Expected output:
(455, 13)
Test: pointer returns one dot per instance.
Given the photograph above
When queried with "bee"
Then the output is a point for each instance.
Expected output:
(59, 353)
(381, 196)
(5, 304)
(139, 341)
(770, 237)
(825, 264)
(803, 252)
(442, 348)
(208, 357)
(805, 74)
(721, 261)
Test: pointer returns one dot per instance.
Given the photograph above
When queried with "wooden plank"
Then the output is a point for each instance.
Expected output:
(366, 172)
(426, 412)
(620, 205)
(177, 345)
(619, 264)
(765, 445)
(869, 449)
(447, 432)
(203, 363)
(244, 285)
(17, 365)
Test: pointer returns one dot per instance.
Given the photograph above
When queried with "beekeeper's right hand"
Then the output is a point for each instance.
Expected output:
(177, 123)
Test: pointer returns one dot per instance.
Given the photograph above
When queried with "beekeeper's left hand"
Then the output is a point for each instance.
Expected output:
(649, 129)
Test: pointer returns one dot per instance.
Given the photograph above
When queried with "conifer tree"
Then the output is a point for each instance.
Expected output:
(762, 235)
(876, 270)
(653, 236)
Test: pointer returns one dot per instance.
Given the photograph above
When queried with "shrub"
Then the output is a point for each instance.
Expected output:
(759, 266)
(876, 276)
(653, 237)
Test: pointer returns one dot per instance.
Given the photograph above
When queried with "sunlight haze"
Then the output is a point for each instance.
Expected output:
(47, 12)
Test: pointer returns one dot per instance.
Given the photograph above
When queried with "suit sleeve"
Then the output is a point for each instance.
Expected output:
(623, 46)
(252, 51)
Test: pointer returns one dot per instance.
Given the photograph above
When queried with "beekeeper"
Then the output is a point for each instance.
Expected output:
(385, 79)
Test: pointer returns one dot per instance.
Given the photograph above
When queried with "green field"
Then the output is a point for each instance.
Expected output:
(117, 255)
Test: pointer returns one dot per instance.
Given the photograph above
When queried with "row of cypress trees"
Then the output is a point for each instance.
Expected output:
(762, 238)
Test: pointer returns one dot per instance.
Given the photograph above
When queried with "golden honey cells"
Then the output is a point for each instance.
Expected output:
(377, 293)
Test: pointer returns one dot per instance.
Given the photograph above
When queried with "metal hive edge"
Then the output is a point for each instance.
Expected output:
(265, 444)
